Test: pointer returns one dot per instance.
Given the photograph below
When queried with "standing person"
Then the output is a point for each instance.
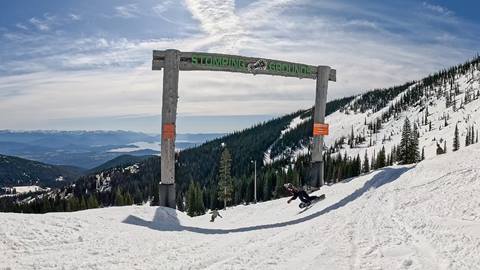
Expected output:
(300, 193)
(215, 214)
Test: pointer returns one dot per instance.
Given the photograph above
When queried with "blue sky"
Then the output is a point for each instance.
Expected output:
(87, 64)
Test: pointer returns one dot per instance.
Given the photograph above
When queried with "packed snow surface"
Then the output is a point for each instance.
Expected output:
(402, 217)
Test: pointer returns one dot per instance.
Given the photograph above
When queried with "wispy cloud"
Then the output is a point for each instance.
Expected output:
(163, 6)
(438, 9)
(218, 19)
(362, 23)
(72, 77)
(161, 10)
(43, 24)
(127, 11)
(74, 17)
(21, 26)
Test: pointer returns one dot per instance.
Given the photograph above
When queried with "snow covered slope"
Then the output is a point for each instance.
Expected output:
(402, 217)
(293, 125)
(461, 91)
(341, 125)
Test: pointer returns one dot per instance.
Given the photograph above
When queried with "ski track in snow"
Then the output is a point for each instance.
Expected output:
(425, 216)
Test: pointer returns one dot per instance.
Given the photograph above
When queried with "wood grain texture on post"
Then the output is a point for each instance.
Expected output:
(169, 115)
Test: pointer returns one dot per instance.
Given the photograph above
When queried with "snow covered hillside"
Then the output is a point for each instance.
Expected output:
(465, 116)
(402, 217)
(444, 100)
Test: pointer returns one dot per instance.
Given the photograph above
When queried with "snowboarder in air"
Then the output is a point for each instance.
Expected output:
(301, 194)
(215, 214)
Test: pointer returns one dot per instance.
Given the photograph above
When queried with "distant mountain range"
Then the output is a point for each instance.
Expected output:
(16, 171)
(87, 149)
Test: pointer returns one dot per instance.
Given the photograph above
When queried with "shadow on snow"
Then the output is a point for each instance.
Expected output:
(166, 219)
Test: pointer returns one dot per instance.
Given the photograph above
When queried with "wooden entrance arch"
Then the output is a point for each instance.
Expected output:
(172, 61)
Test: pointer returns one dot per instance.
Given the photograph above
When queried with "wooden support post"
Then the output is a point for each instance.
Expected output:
(169, 115)
(323, 73)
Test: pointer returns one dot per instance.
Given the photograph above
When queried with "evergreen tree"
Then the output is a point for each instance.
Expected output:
(426, 115)
(199, 205)
(392, 155)
(268, 187)
(374, 161)
(358, 166)
(423, 153)
(225, 184)
(352, 139)
(118, 199)
(414, 155)
(405, 143)
(180, 205)
(191, 199)
(92, 202)
(467, 138)
(366, 165)
(456, 141)
(128, 198)
(195, 205)
(381, 159)
(472, 135)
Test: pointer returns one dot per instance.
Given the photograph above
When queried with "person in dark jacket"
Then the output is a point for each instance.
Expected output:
(299, 193)
(215, 214)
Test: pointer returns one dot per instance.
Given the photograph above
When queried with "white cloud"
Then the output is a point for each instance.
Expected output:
(127, 11)
(163, 7)
(21, 26)
(161, 11)
(104, 77)
(43, 24)
(218, 19)
(438, 9)
(362, 23)
(74, 17)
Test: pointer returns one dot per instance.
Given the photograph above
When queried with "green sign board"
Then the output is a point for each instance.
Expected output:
(252, 65)
(236, 63)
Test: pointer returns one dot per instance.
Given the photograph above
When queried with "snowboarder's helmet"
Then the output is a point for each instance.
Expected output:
(288, 185)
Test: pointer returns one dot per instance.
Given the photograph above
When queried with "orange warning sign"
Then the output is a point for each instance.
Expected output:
(168, 131)
(320, 129)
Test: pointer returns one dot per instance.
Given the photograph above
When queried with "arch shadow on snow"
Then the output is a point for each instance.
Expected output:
(166, 219)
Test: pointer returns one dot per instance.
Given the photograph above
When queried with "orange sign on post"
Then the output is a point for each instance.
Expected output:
(168, 131)
(320, 129)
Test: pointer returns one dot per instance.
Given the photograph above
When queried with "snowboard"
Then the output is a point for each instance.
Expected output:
(303, 205)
